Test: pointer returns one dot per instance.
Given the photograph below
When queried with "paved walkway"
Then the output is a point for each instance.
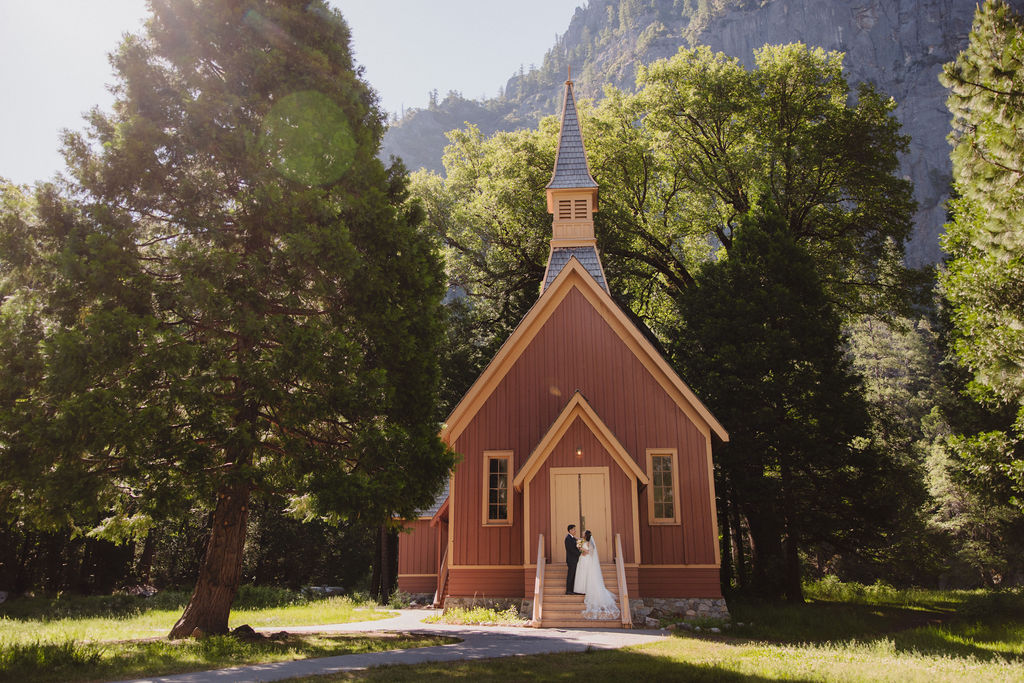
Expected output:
(478, 642)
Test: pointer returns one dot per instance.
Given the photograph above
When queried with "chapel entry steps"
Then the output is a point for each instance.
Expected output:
(566, 611)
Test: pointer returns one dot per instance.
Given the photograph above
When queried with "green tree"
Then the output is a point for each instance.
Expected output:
(242, 302)
(703, 144)
(761, 343)
(984, 280)
(718, 142)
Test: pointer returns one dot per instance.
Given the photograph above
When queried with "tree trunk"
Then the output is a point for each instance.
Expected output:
(375, 578)
(768, 576)
(385, 565)
(391, 575)
(725, 572)
(145, 567)
(794, 590)
(221, 570)
(739, 553)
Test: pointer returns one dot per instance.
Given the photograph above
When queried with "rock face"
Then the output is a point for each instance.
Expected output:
(899, 45)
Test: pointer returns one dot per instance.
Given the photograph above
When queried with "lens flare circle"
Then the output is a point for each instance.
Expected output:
(307, 138)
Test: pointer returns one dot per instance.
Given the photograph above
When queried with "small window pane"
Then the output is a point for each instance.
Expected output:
(662, 487)
(497, 488)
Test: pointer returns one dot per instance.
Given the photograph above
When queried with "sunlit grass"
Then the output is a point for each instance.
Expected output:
(699, 659)
(90, 638)
(94, 620)
(847, 632)
(70, 661)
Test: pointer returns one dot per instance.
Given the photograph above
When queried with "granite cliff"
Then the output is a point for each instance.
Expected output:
(899, 45)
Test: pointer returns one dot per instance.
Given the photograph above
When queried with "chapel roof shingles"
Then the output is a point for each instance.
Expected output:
(438, 502)
(587, 256)
(571, 169)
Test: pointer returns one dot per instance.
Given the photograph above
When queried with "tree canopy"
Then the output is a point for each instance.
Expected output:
(702, 144)
(984, 280)
(230, 298)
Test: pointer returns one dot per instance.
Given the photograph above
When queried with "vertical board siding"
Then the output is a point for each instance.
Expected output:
(681, 582)
(486, 583)
(576, 350)
(417, 549)
(417, 584)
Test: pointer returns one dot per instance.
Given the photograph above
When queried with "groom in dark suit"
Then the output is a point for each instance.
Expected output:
(572, 557)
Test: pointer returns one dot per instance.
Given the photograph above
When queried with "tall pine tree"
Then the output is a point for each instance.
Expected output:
(243, 302)
(760, 340)
(985, 278)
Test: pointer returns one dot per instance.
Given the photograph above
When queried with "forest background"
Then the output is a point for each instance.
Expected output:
(753, 220)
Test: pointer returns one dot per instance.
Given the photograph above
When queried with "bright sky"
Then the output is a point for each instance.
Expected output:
(54, 59)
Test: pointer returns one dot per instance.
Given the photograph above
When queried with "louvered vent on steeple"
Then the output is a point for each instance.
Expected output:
(572, 200)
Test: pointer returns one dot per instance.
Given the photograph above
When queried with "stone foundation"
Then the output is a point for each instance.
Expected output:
(421, 598)
(685, 608)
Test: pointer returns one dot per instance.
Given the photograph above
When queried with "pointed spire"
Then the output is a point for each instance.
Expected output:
(572, 200)
(571, 168)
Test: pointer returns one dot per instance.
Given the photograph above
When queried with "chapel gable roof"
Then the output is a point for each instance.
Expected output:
(574, 276)
(578, 408)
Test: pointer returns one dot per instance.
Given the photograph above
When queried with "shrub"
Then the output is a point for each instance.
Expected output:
(399, 600)
(478, 615)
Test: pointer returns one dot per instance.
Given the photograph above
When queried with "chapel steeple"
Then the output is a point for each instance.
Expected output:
(572, 200)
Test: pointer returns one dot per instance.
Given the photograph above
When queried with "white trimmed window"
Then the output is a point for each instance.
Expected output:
(663, 497)
(498, 488)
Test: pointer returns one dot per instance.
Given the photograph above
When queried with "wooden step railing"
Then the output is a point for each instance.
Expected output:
(620, 573)
(442, 580)
(538, 583)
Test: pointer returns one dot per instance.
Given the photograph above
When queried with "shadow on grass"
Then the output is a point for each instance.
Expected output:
(53, 608)
(593, 666)
(985, 642)
(64, 606)
(819, 622)
(955, 633)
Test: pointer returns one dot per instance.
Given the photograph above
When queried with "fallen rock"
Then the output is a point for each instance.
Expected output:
(246, 632)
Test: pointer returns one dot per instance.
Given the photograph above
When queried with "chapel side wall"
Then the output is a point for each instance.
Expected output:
(417, 557)
(576, 349)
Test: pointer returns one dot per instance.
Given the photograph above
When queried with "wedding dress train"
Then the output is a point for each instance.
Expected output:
(599, 603)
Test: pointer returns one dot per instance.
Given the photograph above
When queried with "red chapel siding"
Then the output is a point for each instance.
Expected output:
(576, 349)
(417, 557)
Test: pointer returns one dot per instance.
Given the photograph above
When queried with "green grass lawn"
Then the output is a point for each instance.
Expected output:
(69, 662)
(845, 632)
(95, 638)
(138, 622)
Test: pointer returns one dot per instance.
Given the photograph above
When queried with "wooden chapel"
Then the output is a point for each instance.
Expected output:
(577, 419)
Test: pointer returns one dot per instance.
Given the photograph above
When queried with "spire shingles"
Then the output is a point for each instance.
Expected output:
(571, 170)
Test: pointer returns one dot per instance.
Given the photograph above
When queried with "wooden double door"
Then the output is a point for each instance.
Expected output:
(581, 496)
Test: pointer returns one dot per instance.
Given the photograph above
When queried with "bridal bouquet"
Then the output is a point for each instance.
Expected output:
(581, 545)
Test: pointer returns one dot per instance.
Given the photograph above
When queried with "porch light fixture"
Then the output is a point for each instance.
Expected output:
(579, 451)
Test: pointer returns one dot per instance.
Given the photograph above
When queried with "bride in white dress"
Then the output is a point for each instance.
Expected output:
(599, 603)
